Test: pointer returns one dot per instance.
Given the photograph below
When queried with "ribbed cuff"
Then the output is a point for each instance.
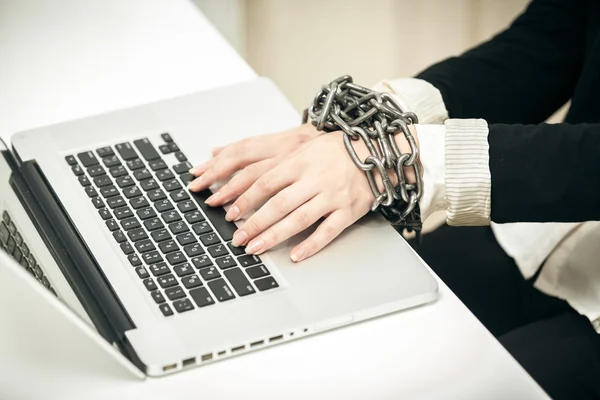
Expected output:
(418, 96)
(468, 178)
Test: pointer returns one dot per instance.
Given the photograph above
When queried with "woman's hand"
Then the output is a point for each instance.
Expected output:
(254, 156)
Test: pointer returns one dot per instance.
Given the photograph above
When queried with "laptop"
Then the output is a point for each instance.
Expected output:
(98, 212)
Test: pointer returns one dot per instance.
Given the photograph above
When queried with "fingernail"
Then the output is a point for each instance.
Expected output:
(195, 184)
(297, 255)
(233, 213)
(193, 171)
(239, 238)
(212, 198)
(255, 246)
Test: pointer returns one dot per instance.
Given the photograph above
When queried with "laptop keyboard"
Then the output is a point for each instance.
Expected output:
(179, 247)
(14, 244)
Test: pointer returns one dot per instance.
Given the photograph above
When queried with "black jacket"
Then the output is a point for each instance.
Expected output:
(550, 54)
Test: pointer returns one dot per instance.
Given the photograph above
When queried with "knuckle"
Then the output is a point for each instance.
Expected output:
(253, 225)
(301, 218)
(280, 203)
(241, 148)
(263, 183)
(329, 232)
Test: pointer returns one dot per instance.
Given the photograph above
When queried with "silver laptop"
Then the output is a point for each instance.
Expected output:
(96, 209)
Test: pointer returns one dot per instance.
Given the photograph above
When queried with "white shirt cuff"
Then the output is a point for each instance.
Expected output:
(432, 150)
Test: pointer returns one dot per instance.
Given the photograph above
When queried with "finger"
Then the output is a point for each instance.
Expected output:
(200, 169)
(274, 210)
(295, 222)
(265, 186)
(241, 182)
(216, 150)
(328, 230)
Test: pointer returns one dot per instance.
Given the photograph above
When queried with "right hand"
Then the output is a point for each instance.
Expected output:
(253, 156)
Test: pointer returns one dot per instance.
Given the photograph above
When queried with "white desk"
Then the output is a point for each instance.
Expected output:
(66, 59)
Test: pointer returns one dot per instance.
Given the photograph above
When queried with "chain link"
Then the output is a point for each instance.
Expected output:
(374, 118)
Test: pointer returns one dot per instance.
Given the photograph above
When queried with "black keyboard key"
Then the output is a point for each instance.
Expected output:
(186, 178)
(193, 250)
(150, 285)
(25, 250)
(119, 236)
(182, 168)
(209, 239)
(178, 227)
(139, 202)
(160, 269)
(126, 151)
(116, 202)
(5, 217)
(201, 261)
(257, 271)
(226, 262)
(130, 223)
(135, 164)
(88, 159)
(17, 254)
(104, 213)
(123, 212)
(152, 257)
(166, 309)
(146, 213)
(179, 195)
(235, 250)
(183, 305)
(202, 297)
(176, 257)
(164, 149)
(102, 181)
(221, 290)
(84, 181)
(109, 191)
(166, 281)
(111, 161)
(209, 273)
(105, 152)
(11, 246)
(216, 215)
(91, 192)
(4, 234)
(142, 273)
(12, 228)
(171, 216)
(98, 203)
(183, 269)
(125, 181)
(202, 228)
(249, 260)
(146, 149)
(160, 235)
(96, 171)
(174, 293)
(149, 184)
(127, 249)
(266, 283)
(193, 217)
(240, 283)
(218, 250)
(77, 170)
(180, 156)
(112, 225)
(158, 297)
(186, 238)
(164, 175)
(71, 160)
(153, 224)
(157, 165)
(163, 205)
(137, 234)
(134, 260)
(191, 281)
(144, 246)
(19, 239)
(173, 147)
(117, 171)
(166, 137)
(171, 185)
(142, 174)
(185, 206)
(168, 246)
(132, 192)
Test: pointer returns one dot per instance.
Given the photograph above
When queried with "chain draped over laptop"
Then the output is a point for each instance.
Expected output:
(374, 118)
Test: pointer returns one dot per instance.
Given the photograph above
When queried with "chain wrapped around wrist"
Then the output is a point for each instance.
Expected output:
(374, 118)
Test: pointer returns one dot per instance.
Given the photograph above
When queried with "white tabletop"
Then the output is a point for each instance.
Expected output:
(66, 59)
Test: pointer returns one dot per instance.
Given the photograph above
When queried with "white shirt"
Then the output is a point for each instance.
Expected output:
(456, 175)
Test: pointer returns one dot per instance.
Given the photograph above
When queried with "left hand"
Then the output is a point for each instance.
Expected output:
(317, 180)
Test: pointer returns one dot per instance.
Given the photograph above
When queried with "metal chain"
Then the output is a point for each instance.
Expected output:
(374, 118)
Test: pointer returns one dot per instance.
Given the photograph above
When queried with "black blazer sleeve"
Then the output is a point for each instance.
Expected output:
(522, 75)
(545, 172)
